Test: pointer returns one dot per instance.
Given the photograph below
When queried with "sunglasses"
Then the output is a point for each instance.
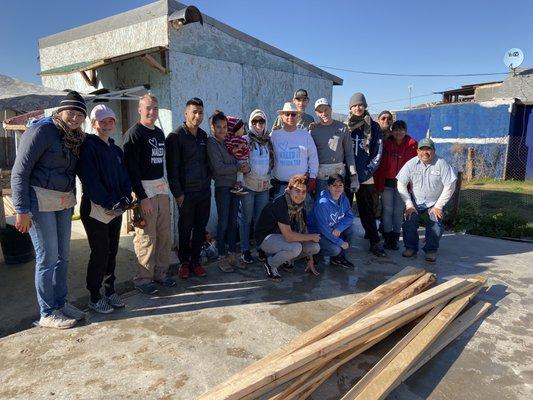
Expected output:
(385, 118)
(258, 122)
(290, 114)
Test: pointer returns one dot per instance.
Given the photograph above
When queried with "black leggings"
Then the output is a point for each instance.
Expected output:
(103, 241)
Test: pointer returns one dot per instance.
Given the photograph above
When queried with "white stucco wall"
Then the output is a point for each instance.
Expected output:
(234, 76)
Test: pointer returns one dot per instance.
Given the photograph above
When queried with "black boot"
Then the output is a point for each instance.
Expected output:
(389, 241)
(395, 237)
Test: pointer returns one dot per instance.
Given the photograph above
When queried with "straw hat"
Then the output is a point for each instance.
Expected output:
(289, 107)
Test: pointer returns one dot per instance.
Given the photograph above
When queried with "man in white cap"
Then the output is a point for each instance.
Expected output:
(334, 147)
(300, 100)
(294, 151)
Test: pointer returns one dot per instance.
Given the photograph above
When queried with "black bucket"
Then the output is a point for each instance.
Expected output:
(17, 247)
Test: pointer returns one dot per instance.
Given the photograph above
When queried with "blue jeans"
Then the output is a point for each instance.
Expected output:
(50, 234)
(393, 208)
(330, 249)
(434, 231)
(227, 208)
(251, 206)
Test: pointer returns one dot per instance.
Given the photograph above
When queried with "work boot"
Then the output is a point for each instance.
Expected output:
(377, 250)
(224, 265)
(431, 256)
(409, 253)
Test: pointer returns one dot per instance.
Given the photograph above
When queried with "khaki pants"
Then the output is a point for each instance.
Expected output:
(152, 243)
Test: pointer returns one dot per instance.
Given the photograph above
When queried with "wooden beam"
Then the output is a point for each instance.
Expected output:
(326, 368)
(151, 61)
(362, 306)
(163, 55)
(90, 79)
(456, 328)
(390, 375)
(357, 334)
(381, 364)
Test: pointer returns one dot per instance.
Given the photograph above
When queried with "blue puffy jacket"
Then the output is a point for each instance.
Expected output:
(42, 161)
(328, 214)
(102, 172)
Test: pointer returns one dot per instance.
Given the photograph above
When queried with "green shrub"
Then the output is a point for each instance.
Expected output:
(493, 223)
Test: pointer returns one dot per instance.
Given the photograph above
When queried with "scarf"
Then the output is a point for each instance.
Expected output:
(71, 140)
(354, 122)
(296, 214)
(260, 142)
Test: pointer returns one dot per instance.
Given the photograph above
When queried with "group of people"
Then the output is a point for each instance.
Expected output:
(290, 189)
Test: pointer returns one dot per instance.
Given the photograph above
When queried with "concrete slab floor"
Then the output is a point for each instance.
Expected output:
(192, 337)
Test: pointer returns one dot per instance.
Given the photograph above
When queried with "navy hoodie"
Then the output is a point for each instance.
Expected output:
(102, 172)
(328, 214)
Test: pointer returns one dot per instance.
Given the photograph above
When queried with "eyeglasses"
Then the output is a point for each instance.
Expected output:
(385, 119)
(290, 114)
(258, 122)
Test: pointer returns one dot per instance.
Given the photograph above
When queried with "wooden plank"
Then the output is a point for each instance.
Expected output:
(358, 333)
(361, 307)
(392, 353)
(456, 328)
(307, 379)
(151, 61)
(391, 374)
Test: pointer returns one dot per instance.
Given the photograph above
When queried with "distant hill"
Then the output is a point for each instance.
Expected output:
(339, 117)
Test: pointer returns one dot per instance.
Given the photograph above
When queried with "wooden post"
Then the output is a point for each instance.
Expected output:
(470, 171)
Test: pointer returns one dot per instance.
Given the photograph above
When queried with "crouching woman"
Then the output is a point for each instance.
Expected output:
(106, 195)
(42, 184)
(281, 230)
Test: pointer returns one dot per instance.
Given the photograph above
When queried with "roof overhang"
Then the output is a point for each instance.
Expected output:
(85, 66)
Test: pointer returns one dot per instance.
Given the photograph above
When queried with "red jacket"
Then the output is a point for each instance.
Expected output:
(394, 157)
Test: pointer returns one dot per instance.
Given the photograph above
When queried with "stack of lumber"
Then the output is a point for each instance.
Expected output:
(297, 369)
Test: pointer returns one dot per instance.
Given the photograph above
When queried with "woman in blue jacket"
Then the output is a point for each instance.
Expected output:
(106, 195)
(42, 184)
(332, 218)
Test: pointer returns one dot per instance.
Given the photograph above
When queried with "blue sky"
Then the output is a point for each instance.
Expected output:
(410, 37)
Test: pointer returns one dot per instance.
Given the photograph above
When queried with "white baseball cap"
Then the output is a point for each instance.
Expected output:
(101, 112)
(322, 102)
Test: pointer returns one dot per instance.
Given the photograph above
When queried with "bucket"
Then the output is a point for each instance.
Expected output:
(17, 247)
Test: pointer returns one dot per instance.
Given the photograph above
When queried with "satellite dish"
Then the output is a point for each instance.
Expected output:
(513, 58)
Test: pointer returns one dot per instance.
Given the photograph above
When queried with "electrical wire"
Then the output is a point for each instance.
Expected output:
(409, 75)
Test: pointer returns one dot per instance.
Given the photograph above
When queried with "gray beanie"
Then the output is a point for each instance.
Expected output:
(357, 98)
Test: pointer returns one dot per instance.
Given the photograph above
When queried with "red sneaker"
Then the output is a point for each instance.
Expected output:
(184, 272)
(199, 270)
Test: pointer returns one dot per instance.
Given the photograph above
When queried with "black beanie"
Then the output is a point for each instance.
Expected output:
(73, 101)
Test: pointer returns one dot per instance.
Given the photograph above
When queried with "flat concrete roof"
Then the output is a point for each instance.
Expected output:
(166, 7)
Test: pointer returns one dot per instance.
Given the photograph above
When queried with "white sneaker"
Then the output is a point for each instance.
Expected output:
(73, 312)
(57, 320)
(101, 306)
(115, 301)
